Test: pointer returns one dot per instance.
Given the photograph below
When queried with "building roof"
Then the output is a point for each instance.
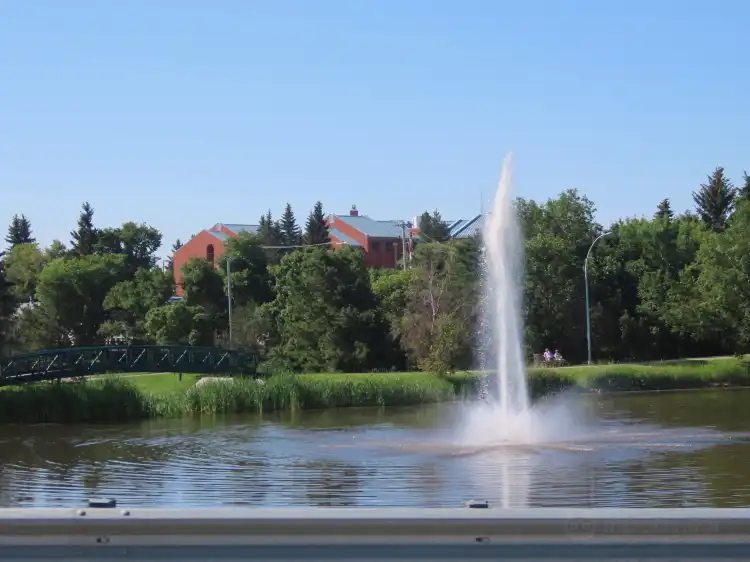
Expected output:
(216, 234)
(236, 227)
(467, 228)
(370, 227)
(348, 240)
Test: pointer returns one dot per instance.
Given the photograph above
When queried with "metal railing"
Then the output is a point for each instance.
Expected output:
(83, 361)
(374, 534)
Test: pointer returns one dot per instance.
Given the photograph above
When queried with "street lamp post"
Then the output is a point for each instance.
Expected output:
(229, 298)
(586, 279)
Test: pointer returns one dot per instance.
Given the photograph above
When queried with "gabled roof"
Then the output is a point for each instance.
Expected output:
(370, 227)
(235, 227)
(348, 240)
(216, 234)
(238, 228)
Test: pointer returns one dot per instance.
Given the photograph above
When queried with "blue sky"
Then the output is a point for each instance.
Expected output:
(184, 113)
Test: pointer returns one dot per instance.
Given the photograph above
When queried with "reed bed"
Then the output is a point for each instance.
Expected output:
(115, 399)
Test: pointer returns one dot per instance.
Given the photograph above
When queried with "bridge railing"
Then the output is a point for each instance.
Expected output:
(375, 534)
(83, 361)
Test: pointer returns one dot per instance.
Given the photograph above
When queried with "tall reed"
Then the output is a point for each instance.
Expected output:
(114, 399)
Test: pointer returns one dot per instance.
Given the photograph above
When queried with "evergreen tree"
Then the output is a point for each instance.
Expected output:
(714, 201)
(664, 210)
(176, 246)
(744, 191)
(19, 232)
(84, 238)
(316, 228)
(290, 232)
(269, 231)
(432, 227)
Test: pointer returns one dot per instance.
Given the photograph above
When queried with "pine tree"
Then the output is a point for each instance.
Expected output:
(316, 228)
(432, 227)
(714, 201)
(744, 192)
(176, 246)
(83, 240)
(664, 210)
(269, 231)
(19, 232)
(290, 232)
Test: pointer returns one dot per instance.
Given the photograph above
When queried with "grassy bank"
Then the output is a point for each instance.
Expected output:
(121, 398)
(671, 375)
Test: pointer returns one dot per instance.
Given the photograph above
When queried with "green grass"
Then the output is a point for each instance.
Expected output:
(116, 398)
(649, 377)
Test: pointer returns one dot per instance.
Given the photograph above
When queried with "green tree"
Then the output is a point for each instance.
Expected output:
(7, 308)
(290, 232)
(179, 323)
(559, 234)
(270, 231)
(23, 265)
(392, 288)
(744, 191)
(73, 291)
(714, 201)
(35, 328)
(56, 250)
(316, 227)
(710, 303)
(138, 243)
(170, 261)
(129, 302)
(203, 288)
(325, 312)
(19, 232)
(664, 210)
(433, 228)
(249, 269)
(84, 238)
(441, 303)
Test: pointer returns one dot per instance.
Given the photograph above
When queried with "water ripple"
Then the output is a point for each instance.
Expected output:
(400, 458)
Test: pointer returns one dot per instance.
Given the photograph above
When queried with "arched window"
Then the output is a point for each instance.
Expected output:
(210, 253)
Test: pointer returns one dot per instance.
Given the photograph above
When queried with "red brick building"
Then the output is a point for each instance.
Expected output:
(383, 242)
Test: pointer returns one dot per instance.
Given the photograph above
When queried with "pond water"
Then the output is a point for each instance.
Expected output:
(681, 449)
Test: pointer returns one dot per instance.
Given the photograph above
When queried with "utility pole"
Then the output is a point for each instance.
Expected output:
(402, 224)
(229, 298)
(586, 280)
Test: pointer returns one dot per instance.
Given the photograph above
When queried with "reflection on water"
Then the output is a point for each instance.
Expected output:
(652, 450)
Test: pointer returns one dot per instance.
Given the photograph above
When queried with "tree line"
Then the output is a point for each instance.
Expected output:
(667, 286)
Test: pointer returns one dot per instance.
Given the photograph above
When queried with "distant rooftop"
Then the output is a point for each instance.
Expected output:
(467, 228)
(220, 235)
(348, 240)
(236, 228)
(370, 227)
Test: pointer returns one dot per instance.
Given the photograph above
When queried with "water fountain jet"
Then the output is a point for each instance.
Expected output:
(506, 414)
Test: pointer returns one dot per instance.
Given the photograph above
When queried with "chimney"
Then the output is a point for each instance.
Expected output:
(354, 212)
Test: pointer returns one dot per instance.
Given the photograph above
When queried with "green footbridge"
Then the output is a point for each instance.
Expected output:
(83, 361)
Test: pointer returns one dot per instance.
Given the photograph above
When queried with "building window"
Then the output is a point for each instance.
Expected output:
(210, 253)
(375, 246)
